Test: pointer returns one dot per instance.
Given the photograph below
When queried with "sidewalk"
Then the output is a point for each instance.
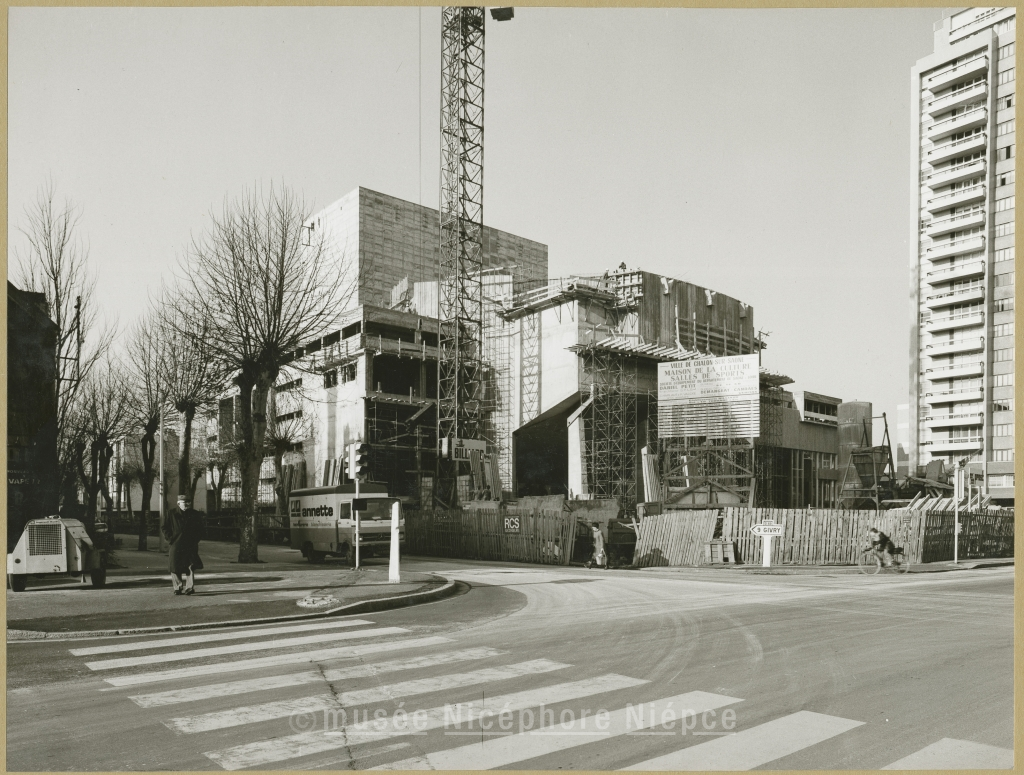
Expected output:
(931, 567)
(138, 594)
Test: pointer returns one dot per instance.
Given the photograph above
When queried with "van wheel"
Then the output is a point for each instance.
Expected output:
(98, 577)
(16, 581)
(316, 557)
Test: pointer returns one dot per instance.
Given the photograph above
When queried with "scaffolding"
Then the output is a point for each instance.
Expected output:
(498, 389)
(770, 474)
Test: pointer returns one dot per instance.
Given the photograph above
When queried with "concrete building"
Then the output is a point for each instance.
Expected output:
(962, 247)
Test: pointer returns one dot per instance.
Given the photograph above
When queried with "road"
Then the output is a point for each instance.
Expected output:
(552, 669)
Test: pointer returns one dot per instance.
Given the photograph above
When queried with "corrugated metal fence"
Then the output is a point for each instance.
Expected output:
(820, 536)
(532, 535)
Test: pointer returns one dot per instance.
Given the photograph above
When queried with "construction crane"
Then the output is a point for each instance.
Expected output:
(460, 288)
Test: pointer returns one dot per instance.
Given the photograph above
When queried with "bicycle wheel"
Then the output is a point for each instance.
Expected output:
(868, 563)
(900, 562)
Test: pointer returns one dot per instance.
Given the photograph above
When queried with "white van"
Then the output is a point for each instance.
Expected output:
(322, 523)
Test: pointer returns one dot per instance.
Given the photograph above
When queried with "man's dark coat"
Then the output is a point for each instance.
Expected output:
(183, 531)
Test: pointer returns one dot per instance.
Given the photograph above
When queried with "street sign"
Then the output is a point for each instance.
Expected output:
(767, 530)
(462, 448)
(512, 525)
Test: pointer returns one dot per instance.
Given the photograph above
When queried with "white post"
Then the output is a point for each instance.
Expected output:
(957, 490)
(766, 558)
(160, 530)
(352, 469)
(393, 575)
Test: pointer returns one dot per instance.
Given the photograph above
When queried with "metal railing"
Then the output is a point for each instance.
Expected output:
(973, 287)
(972, 213)
(956, 168)
(971, 417)
(955, 93)
(941, 149)
(953, 68)
(958, 117)
(968, 266)
(968, 190)
(955, 366)
(956, 243)
(967, 343)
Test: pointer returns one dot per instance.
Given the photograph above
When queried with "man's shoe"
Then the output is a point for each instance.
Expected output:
(177, 591)
(189, 591)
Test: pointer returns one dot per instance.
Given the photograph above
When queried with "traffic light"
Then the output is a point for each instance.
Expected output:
(359, 462)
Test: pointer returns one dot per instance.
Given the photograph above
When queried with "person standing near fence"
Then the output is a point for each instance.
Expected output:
(599, 558)
(183, 530)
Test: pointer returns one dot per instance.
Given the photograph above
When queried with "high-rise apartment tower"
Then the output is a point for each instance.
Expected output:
(962, 248)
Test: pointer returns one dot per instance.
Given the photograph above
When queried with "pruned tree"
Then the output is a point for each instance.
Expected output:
(55, 262)
(103, 412)
(146, 397)
(265, 286)
(192, 377)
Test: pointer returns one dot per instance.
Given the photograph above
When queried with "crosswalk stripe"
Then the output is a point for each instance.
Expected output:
(307, 743)
(950, 754)
(294, 658)
(114, 648)
(197, 693)
(252, 714)
(502, 751)
(238, 648)
(753, 747)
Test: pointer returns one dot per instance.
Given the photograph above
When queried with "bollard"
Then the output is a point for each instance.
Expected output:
(393, 575)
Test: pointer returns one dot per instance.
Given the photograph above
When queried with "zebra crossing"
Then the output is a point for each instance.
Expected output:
(277, 714)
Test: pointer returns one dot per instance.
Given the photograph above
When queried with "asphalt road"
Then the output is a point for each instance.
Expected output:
(577, 670)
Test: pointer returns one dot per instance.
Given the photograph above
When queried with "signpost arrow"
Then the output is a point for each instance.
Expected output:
(766, 530)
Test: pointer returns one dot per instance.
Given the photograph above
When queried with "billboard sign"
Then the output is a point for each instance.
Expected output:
(716, 398)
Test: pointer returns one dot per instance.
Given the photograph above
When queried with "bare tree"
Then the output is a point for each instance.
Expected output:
(265, 285)
(103, 412)
(55, 263)
(146, 396)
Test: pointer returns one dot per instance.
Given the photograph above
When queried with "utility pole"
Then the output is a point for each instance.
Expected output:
(160, 530)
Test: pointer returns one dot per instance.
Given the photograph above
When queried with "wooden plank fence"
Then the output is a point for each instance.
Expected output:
(544, 535)
(819, 536)
(674, 538)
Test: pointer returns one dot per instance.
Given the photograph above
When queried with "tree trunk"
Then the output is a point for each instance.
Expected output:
(279, 485)
(128, 500)
(250, 459)
(188, 413)
(148, 445)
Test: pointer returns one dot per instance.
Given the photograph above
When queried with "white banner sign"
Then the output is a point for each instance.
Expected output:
(717, 398)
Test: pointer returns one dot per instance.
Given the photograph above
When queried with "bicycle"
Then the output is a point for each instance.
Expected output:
(869, 563)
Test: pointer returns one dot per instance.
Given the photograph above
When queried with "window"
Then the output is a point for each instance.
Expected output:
(1006, 76)
(290, 416)
(1008, 101)
(1001, 456)
(1002, 380)
(295, 383)
(1008, 50)
(1003, 405)
(1005, 127)
(1005, 354)
(1008, 152)
(1004, 279)
(1003, 305)
(1004, 229)
(1000, 480)
(331, 378)
(1006, 254)
(1002, 430)
(1006, 203)
(348, 372)
(1003, 329)
(1002, 180)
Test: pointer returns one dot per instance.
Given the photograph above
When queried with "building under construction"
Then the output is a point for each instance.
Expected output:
(569, 383)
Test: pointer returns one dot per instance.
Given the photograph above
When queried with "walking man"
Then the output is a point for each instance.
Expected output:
(183, 530)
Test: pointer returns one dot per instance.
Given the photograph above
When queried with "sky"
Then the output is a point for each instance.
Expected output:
(762, 153)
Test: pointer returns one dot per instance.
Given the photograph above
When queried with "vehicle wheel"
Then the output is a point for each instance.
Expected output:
(316, 557)
(16, 582)
(901, 562)
(98, 577)
(869, 563)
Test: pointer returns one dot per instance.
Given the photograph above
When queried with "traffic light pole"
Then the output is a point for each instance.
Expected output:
(356, 514)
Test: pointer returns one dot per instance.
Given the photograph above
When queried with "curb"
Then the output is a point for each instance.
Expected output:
(362, 607)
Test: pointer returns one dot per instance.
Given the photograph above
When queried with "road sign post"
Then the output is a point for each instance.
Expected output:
(766, 530)
(393, 574)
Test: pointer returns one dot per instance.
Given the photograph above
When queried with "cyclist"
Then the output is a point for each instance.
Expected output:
(881, 545)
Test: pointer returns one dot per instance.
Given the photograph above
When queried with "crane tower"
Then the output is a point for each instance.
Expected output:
(460, 290)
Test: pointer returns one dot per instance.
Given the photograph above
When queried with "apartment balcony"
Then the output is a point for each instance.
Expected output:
(958, 272)
(962, 296)
(958, 420)
(974, 344)
(957, 97)
(955, 223)
(955, 371)
(955, 321)
(945, 446)
(955, 247)
(954, 396)
(956, 198)
(950, 126)
(946, 176)
(941, 153)
(961, 72)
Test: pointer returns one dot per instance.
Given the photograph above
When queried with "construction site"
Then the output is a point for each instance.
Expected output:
(481, 383)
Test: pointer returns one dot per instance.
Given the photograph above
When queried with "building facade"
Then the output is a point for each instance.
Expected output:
(962, 248)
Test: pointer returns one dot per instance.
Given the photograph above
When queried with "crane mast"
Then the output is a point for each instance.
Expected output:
(460, 289)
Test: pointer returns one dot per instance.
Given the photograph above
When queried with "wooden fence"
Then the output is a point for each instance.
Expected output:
(513, 534)
(675, 538)
(819, 536)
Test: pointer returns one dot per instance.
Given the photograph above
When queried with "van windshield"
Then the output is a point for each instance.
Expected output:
(377, 508)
